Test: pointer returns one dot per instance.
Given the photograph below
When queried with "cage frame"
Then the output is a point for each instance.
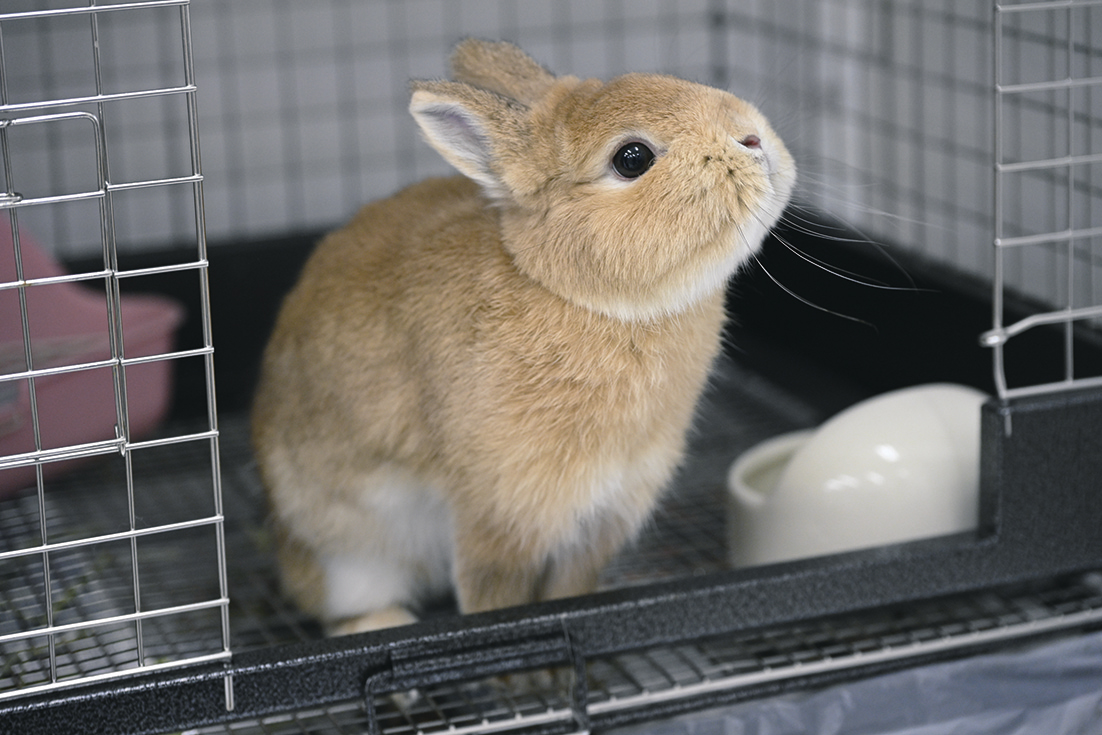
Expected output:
(1033, 444)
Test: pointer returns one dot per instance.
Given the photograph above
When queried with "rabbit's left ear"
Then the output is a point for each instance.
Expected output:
(501, 67)
(470, 127)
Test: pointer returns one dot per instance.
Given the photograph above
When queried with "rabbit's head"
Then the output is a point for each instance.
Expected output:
(634, 198)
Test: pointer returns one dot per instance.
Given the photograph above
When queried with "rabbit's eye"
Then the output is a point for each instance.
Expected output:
(632, 160)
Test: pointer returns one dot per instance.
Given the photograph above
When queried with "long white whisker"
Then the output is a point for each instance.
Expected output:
(807, 302)
(842, 273)
(861, 239)
(834, 270)
(803, 300)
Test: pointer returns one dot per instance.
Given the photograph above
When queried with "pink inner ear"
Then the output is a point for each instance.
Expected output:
(463, 126)
(453, 129)
(459, 135)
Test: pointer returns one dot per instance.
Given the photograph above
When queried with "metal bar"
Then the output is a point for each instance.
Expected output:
(93, 449)
(20, 201)
(1048, 237)
(113, 294)
(52, 280)
(88, 10)
(98, 98)
(159, 269)
(78, 451)
(196, 352)
(165, 441)
(1048, 163)
(36, 428)
(1058, 5)
(155, 182)
(1062, 386)
(994, 337)
(998, 254)
(59, 370)
(114, 620)
(107, 363)
(108, 537)
(208, 340)
(54, 117)
(114, 675)
(1054, 85)
(1069, 210)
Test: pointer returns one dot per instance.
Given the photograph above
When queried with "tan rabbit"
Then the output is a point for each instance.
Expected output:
(484, 382)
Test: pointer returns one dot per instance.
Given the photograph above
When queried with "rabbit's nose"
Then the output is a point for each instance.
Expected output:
(747, 141)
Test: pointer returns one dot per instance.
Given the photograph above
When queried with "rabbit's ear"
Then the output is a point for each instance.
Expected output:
(501, 67)
(468, 127)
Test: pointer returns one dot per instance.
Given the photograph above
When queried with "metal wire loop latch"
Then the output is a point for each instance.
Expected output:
(418, 667)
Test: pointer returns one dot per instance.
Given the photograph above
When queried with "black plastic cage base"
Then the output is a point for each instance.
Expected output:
(1040, 520)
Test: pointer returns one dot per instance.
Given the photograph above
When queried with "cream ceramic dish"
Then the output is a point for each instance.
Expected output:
(900, 466)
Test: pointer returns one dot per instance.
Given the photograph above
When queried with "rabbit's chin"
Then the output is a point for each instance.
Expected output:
(694, 287)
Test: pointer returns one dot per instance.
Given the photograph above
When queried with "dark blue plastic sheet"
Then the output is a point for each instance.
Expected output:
(1049, 689)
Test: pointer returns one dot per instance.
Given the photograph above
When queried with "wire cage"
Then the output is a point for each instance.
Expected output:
(1046, 157)
(138, 590)
(88, 590)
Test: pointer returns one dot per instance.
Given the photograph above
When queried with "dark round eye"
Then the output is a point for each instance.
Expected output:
(633, 160)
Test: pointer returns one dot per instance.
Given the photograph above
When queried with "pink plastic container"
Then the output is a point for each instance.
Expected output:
(68, 325)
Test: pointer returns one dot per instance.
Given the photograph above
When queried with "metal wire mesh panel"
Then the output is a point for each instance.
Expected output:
(1048, 139)
(85, 369)
(887, 107)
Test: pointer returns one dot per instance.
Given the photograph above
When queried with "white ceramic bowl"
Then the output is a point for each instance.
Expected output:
(900, 466)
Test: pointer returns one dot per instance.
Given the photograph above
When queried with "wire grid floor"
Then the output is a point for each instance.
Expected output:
(687, 537)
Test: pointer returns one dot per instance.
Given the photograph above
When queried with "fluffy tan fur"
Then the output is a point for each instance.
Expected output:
(519, 352)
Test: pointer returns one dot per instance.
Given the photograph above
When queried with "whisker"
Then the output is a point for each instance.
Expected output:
(860, 239)
(807, 302)
(816, 227)
(834, 270)
(843, 273)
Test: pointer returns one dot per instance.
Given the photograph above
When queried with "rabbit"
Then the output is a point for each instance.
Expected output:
(481, 385)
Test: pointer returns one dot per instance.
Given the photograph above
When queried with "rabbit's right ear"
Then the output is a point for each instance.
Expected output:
(469, 127)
